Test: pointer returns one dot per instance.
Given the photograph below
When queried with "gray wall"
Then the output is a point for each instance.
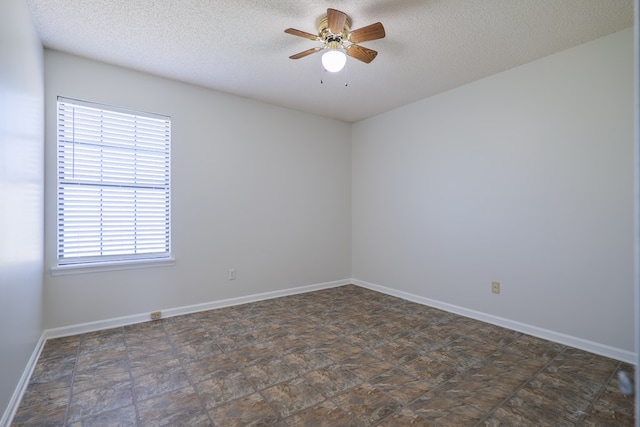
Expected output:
(21, 194)
(526, 178)
(257, 188)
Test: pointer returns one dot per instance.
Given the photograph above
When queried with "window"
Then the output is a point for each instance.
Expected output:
(113, 184)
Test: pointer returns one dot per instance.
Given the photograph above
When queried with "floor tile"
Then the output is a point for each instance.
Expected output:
(529, 407)
(109, 359)
(366, 403)
(365, 365)
(332, 380)
(270, 332)
(120, 417)
(400, 385)
(553, 393)
(495, 335)
(141, 332)
(35, 396)
(146, 364)
(526, 345)
(236, 340)
(611, 408)
(224, 387)
(247, 410)
(318, 337)
(95, 401)
(47, 407)
(292, 396)
(446, 410)
(102, 340)
(323, 414)
(43, 388)
(466, 352)
(61, 347)
(252, 354)
(208, 367)
(392, 330)
(307, 359)
(287, 343)
(574, 364)
(104, 378)
(152, 346)
(186, 334)
(180, 407)
(269, 372)
(431, 368)
(405, 417)
(52, 369)
(160, 381)
(197, 349)
(524, 364)
(396, 353)
(473, 391)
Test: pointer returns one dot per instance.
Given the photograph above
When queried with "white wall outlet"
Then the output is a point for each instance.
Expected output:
(232, 274)
(155, 315)
(495, 287)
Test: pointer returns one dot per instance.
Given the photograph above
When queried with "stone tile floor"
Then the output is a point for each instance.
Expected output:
(346, 356)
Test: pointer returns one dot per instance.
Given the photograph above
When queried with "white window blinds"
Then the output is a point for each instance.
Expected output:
(113, 184)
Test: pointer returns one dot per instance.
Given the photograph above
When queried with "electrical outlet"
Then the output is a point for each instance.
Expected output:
(155, 315)
(495, 287)
(232, 274)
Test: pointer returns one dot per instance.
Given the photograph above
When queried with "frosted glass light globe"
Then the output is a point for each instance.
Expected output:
(334, 60)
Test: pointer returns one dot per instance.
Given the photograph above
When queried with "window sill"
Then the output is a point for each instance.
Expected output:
(64, 270)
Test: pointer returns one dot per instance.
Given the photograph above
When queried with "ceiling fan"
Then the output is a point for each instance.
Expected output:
(338, 39)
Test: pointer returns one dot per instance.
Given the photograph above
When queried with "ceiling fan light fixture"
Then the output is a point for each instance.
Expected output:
(334, 29)
(334, 60)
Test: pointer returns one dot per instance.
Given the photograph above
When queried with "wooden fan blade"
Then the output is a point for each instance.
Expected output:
(361, 53)
(299, 33)
(305, 53)
(368, 33)
(336, 20)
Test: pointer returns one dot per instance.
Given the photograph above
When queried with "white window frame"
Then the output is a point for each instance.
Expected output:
(113, 188)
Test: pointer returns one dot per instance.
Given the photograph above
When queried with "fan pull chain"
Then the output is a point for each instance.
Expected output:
(323, 72)
(346, 79)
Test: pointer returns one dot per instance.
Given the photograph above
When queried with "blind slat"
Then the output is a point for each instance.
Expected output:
(113, 184)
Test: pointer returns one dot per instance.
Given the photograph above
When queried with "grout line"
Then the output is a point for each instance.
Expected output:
(195, 387)
(600, 392)
(174, 350)
(133, 388)
(458, 374)
(510, 396)
(73, 378)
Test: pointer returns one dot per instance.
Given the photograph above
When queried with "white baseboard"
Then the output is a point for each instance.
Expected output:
(582, 344)
(593, 347)
(14, 403)
(590, 346)
(178, 311)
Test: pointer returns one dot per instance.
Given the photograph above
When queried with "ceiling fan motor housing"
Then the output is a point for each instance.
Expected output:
(325, 32)
(334, 43)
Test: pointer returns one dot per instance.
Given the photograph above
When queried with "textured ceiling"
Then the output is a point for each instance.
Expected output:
(239, 46)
